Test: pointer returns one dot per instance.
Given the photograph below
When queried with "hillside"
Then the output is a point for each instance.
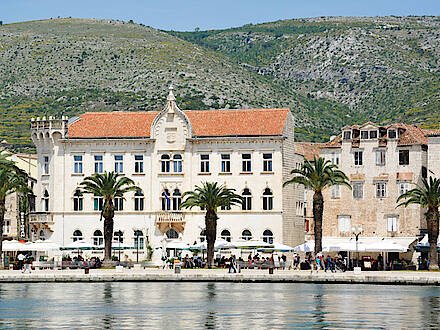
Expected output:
(69, 66)
(382, 68)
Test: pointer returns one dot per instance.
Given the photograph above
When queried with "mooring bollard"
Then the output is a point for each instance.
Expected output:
(86, 270)
(271, 270)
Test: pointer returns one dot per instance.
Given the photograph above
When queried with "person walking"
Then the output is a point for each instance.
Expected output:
(27, 264)
(20, 258)
(329, 264)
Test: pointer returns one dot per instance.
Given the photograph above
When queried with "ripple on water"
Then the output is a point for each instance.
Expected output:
(216, 305)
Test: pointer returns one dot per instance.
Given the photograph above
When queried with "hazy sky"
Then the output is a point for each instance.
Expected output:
(208, 14)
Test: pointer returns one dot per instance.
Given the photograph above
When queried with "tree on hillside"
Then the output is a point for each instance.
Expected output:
(210, 197)
(12, 179)
(317, 176)
(427, 195)
(108, 186)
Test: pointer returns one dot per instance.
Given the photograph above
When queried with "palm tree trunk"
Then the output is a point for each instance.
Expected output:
(108, 214)
(108, 237)
(432, 219)
(2, 221)
(211, 234)
(318, 207)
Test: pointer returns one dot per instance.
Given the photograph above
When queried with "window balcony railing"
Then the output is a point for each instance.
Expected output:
(170, 217)
(40, 217)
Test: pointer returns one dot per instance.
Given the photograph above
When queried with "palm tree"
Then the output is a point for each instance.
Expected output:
(427, 196)
(317, 176)
(12, 179)
(108, 186)
(210, 197)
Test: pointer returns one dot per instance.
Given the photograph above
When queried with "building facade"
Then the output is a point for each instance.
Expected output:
(381, 162)
(167, 153)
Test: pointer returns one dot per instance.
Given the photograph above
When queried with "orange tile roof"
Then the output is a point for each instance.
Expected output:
(308, 149)
(205, 123)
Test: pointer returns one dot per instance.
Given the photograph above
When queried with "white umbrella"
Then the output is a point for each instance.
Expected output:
(177, 245)
(251, 244)
(277, 247)
(43, 246)
(9, 246)
(308, 246)
(385, 246)
(79, 245)
(219, 244)
(116, 246)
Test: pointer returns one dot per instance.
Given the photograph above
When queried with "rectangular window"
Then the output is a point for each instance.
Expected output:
(138, 203)
(381, 190)
(373, 134)
(119, 204)
(138, 164)
(358, 155)
(380, 157)
(226, 163)
(246, 163)
(97, 203)
(403, 187)
(335, 158)
(392, 134)
(336, 191)
(392, 223)
(46, 165)
(99, 165)
(177, 163)
(347, 135)
(77, 203)
(119, 164)
(77, 164)
(364, 135)
(358, 190)
(344, 223)
(403, 157)
(424, 172)
(204, 163)
(267, 162)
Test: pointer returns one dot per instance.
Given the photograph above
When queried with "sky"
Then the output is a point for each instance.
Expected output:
(186, 15)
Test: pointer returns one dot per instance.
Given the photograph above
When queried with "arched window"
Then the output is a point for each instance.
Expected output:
(177, 199)
(177, 163)
(98, 239)
(166, 202)
(78, 200)
(45, 201)
(268, 236)
(119, 204)
(246, 235)
(267, 199)
(172, 233)
(226, 235)
(139, 201)
(77, 235)
(138, 239)
(202, 236)
(118, 237)
(42, 237)
(247, 199)
(165, 163)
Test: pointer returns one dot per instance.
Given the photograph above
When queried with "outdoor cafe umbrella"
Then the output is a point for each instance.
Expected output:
(177, 245)
(9, 246)
(251, 244)
(277, 247)
(219, 244)
(79, 245)
(41, 246)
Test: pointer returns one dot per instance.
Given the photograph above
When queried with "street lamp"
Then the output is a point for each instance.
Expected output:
(357, 231)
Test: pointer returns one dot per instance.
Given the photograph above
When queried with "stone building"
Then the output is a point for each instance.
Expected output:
(167, 153)
(381, 162)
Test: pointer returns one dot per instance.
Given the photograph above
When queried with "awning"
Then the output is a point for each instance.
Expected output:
(423, 245)
(365, 244)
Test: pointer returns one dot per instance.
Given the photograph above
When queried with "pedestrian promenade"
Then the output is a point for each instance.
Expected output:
(222, 275)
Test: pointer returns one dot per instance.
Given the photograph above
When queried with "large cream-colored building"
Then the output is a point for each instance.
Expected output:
(167, 153)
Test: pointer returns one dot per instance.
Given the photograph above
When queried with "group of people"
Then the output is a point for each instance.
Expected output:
(320, 262)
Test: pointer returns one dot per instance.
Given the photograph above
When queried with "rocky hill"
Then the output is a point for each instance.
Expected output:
(68, 66)
(382, 68)
(329, 71)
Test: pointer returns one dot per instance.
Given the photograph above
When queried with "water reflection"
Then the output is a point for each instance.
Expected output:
(216, 305)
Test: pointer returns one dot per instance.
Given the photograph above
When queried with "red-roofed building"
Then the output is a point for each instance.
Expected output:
(167, 153)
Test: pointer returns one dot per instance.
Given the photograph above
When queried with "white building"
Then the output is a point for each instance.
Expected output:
(169, 151)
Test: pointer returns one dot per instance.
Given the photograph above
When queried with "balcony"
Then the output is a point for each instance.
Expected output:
(40, 217)
(166, 220)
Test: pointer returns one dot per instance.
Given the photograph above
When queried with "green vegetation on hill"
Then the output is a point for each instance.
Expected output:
(382, 68)
(329, 71)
